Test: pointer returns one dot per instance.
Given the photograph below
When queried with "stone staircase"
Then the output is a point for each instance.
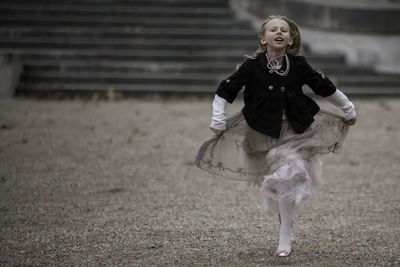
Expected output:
(143, 47)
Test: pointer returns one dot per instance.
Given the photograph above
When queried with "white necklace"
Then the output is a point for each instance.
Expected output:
(273, 64)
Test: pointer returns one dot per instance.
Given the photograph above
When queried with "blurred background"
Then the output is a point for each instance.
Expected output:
(185, 47)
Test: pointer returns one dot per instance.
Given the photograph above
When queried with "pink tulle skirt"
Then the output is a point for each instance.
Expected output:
(282, 168)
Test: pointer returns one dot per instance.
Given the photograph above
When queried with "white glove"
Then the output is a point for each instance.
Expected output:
(341, 101)
(218, 120)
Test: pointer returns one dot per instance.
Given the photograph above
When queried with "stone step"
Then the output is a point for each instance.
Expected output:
(158, 55)
(131, 32)
(137, 33)
(144, 77)
(372, 91)
(341, 69)
(124, 54)
(128, 89)
(185, 67)
(6, 41)
(160, 88)
(123, 66)
(204, 45)
(54, 8)
(136, 44)
(126, 77)
(34, 21)
(119, 11)
(369, 81)
(129, 3)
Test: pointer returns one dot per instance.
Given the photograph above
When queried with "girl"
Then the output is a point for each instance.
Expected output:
(276, 140)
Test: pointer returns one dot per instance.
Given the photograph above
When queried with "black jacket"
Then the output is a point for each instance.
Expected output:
(267, 94)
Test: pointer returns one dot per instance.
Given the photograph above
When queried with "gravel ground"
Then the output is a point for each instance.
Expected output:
(113, 183)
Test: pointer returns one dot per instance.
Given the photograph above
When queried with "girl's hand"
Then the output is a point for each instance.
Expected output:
(351, 121)
(216, 131)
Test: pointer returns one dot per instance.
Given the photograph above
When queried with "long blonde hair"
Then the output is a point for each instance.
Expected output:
(296, 47)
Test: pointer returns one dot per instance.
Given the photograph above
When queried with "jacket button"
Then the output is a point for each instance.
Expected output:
(228, 81)
(322, 74)
(270, 87)
(283, 89)
(271, 71)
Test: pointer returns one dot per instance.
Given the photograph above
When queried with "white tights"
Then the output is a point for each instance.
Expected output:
(286, 208)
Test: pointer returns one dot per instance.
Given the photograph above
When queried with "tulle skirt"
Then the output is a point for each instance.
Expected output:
(282, 168)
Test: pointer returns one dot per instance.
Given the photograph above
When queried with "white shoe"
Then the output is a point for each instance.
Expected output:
(283, 253)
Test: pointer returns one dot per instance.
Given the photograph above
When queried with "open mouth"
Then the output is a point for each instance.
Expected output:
(278, 39)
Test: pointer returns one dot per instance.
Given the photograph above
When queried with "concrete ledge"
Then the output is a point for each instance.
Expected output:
(10, 72)
(329, 15)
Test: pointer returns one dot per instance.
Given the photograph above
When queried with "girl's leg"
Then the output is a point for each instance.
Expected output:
(286, 208)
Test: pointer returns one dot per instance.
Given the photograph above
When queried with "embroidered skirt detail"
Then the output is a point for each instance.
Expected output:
(282, 168)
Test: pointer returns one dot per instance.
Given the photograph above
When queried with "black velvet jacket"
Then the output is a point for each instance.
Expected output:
(267, 94)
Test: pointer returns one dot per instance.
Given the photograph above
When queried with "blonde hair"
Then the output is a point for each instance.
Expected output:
(296, 47)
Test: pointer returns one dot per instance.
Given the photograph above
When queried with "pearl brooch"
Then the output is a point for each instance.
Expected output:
(273, 64)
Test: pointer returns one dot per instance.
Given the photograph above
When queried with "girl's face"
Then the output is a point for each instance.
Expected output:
(277, 35)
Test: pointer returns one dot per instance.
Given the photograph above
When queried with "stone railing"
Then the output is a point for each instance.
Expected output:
(367, 32)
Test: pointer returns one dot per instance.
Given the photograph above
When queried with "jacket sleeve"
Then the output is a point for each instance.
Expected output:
(317, 81)
(230, 87)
